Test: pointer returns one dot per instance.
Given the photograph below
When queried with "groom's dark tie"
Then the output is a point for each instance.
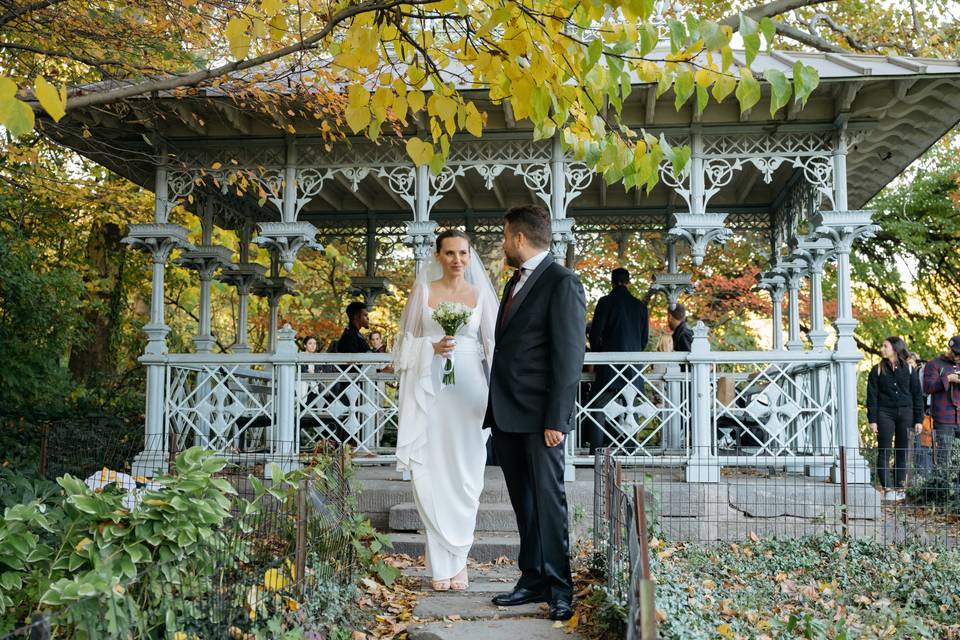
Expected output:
(514, 280)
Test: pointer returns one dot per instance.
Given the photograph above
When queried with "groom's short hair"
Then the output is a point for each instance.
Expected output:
(532, 221)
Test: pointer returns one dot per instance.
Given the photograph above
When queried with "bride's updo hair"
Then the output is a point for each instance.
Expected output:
(450, 233)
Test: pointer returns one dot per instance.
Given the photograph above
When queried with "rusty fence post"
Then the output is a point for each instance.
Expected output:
(844, 507)
(645, 592)
(300, 551)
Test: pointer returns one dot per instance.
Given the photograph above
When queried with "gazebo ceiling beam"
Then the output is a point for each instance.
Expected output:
(650, 105)
(361, 197)
(233, 116)
(498, 193)
(393, 196)
(846, 94)
(751, 179)
(508, 118)
(462, 192)
(326, 197)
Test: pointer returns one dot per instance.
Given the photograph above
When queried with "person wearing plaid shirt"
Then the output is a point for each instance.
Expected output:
(941, 380)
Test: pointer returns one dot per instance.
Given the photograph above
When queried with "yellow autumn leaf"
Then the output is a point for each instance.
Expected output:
(357, 118)
(725, 630)
(274, 580)
(278, 26)
(416, 100)
(53, 102)
(83, 544)
(400, 108)
(179, 635)
(419, 151)
(238, 38)
(16, 115)
(292, 605)
(474, 120)
(271, 7)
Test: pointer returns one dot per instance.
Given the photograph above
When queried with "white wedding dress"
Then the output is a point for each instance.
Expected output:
(441, 439)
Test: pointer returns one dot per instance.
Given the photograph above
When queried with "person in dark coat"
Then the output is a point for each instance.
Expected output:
(352, 341)
(620, 323)
(941, 379)
(894, 406)
(682, 334)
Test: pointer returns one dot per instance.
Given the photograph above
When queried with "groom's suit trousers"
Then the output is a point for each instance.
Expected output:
(534, 476)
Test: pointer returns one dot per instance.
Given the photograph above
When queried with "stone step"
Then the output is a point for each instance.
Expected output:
(490, 517)
(438, 606)
(500, 629)
(487, 546)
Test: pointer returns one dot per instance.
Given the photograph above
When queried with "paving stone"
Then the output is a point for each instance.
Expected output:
(490, 630)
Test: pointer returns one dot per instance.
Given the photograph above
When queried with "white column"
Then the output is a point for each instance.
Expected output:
(777, 297)
(702, 463)
(286, 440)
(794, 274)
(159, 240)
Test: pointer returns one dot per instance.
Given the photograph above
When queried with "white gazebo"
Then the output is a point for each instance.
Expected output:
(801, 177)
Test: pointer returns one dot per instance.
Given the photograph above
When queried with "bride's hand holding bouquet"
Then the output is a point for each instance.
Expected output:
(451, 316)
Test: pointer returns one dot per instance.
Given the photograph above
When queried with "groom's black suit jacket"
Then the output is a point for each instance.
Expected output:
(539, 351)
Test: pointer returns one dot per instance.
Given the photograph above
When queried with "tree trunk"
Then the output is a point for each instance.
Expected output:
(96, 353)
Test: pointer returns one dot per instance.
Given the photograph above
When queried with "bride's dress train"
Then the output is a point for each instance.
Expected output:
(440, 437)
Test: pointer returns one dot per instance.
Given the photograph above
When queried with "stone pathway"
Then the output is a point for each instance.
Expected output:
(470, 615)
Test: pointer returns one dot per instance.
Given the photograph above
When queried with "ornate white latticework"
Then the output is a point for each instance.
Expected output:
(226, 408)
(776, 409)
(635, 408)
(345, 403)
(403, 182)
(442, 183)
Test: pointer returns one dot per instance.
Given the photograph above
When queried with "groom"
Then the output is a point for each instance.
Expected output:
(533, 386)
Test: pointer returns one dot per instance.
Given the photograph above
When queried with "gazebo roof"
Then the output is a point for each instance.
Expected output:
(901, 105)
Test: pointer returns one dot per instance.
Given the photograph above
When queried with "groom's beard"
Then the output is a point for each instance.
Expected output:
(512, 260)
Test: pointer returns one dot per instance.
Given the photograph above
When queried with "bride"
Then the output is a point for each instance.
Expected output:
(440, 438)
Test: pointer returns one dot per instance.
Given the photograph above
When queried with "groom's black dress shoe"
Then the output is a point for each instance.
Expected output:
(560, 609)
(517, 597)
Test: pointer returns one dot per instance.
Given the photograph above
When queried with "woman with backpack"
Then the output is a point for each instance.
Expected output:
(894, 406)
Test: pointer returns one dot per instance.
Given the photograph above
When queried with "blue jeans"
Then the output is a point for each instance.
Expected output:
(944, 435)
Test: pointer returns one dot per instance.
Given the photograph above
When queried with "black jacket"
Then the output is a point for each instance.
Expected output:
(620, 323)
(895, 389)
(682, 337)
(352, 342)
(539, 351)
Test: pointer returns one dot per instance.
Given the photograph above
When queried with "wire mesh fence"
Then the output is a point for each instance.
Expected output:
(283, 547)
(839, 492)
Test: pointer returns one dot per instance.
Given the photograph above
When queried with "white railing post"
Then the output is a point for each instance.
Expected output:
(285, 445)
(702, 463)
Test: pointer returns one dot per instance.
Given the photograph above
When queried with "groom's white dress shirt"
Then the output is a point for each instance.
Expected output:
(526, 269)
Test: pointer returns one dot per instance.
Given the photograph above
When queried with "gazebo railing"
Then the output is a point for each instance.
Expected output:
(706, 409)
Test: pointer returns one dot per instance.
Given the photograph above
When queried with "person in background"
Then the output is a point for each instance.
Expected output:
(352, 341)
(308, 387)
(923, 443)
(894, 404)
(310, 345)
(682, 334)
(620, 323)
(376, 342)
(941, 379)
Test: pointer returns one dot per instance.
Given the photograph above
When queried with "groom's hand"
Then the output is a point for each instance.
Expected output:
(552, 437)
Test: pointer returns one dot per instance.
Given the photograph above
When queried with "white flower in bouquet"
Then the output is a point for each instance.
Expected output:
(451, 316)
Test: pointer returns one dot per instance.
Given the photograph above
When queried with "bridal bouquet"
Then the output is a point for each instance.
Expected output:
(451, 316)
